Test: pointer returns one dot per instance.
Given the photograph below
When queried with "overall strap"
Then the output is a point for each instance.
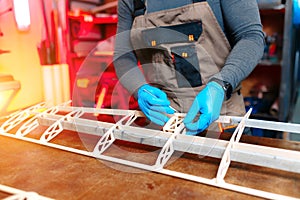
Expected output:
(139, 8)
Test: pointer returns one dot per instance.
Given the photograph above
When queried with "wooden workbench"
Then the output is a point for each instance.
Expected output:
(63, 175)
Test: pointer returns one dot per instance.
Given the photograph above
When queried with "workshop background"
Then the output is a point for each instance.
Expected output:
(67, 44)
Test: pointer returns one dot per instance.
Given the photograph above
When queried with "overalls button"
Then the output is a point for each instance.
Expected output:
(184, 54)
(153, 43)
(191, 38)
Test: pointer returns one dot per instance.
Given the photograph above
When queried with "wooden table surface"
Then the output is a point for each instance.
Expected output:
(64, 175)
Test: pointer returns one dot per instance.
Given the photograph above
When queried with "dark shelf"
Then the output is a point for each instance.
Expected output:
(272, 11)
(266, 63)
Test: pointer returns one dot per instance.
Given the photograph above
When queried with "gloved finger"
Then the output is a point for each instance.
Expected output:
(153, 115)
(144, 106)
(153, 100)
(158, 101)
(157, 117)
(156, 121)
(158, 93)
(162, 109)
(192, 113)
(201, 124)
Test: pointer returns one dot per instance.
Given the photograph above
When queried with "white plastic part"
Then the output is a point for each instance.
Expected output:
(226, 159)
(33, 123)
(108, 138)
(263, 124)
(276, 158)
(19, 117)
(57, 127)
(17, 194)
(32, 113)
(175, 127)
(173, 138)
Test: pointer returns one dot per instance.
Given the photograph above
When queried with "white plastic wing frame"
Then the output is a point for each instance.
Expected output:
(226, 160)
(57, 127)
(108, 138)
(174, 126)
(19, 117)
(172, 136)
(17, 194)
(33, 123)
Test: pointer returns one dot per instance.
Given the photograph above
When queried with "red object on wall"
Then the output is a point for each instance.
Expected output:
(99, 87)
(93, 79)
(85, 32)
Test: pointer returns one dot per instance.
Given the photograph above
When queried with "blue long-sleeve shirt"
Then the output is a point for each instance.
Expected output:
(239, 19)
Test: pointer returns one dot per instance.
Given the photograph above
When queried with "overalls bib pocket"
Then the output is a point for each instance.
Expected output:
(175, 47)
(186, 66)
(189, 32)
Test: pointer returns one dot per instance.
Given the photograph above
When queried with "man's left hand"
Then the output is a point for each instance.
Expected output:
(208, 104)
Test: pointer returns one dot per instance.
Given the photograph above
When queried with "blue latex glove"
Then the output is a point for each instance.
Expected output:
(154, 104)
(296, 9)
(208, 104)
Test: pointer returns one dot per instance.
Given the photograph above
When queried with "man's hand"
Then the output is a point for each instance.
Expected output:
(154, 104)
(208, 104)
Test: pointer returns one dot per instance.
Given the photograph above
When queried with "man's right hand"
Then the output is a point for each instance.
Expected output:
(154, 104)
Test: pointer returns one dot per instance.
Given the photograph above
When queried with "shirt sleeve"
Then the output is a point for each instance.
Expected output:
(125, 61)
(244, 31)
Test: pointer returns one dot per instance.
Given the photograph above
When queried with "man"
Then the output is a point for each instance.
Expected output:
(192, 53)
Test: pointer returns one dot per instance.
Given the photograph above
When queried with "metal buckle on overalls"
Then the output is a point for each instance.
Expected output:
(153, 43)
(191, 38)
(184, 54)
